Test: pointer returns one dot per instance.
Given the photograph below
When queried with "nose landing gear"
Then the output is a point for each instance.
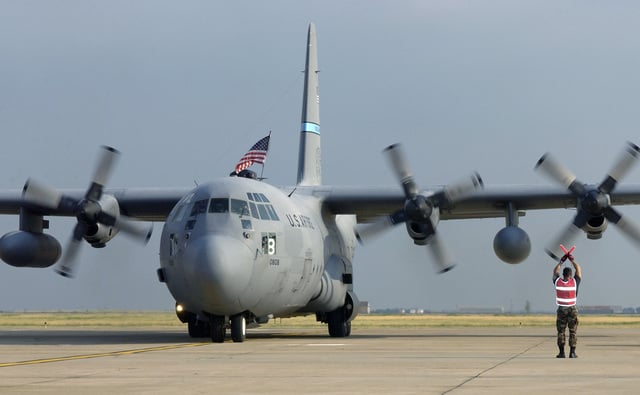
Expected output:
(218, 326)
(238, 328)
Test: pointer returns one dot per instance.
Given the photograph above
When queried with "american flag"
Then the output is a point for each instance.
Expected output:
(256, 154)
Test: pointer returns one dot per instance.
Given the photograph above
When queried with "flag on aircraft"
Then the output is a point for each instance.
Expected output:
(256, 154)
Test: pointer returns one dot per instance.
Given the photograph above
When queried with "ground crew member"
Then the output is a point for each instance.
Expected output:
(566, 298)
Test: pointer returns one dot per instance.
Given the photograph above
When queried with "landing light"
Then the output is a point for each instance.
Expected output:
(182, 313)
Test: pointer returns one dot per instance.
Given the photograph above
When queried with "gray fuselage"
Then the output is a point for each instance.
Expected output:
(238, 245)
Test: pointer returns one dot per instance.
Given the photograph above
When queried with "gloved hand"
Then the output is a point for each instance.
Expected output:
(564, 257)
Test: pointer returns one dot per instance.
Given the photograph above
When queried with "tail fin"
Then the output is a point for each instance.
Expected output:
(309, 159)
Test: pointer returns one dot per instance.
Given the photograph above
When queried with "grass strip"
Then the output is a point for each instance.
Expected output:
(101, 319)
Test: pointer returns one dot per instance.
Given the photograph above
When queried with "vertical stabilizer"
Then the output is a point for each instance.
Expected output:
(309, 159)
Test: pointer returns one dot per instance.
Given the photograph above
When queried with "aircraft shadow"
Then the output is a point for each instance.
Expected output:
(80, 337)
(128, 337)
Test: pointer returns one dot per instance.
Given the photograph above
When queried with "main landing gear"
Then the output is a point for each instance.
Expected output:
(216, 328)
(338, 323)
(238, 324)
(216, 325)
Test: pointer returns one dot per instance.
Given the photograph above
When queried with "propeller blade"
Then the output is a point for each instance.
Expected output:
(557, 172)
(418, 209)
(140, 231)
(104, 168)
(40, 194)
(620, 168)
(458, 190)
(593, 202)
(581, 219)
(628, 228)
(443, 260)
(105, 165)
(69, 260)
(369, 231)
(88, 211)
(400, 166)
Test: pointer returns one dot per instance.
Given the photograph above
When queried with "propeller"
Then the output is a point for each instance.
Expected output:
(593, 201)
(417, 212)
(88, 211)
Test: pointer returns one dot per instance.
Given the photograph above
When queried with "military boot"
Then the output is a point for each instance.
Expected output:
(561, 353)
(572, 353)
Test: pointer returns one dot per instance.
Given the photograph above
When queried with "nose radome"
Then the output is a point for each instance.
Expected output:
(218, 269)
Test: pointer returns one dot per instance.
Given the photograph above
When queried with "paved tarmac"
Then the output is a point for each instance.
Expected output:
(399, 361)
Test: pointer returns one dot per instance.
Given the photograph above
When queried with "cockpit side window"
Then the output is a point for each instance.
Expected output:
(199, 207)
(263, 212)
(219, 205)
(254, 210)
(261, 209)
(179, 211)
(257, 197)
(272, 212)
(239, 207)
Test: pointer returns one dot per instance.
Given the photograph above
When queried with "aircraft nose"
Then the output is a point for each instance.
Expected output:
(218, 269)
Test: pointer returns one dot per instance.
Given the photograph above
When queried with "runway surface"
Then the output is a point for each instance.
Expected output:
(399, 361)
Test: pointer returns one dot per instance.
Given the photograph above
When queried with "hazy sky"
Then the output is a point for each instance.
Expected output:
(183, 89)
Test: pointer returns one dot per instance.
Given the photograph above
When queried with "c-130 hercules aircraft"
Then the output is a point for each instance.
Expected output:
(239, 251)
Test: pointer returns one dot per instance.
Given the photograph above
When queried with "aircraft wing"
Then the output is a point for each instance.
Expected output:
(370, 203)
(10, 201)
(146, 204)
(367, 203)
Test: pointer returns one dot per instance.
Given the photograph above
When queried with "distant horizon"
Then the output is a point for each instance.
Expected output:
(383, 311)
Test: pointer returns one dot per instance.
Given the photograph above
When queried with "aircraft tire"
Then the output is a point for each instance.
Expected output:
(238, 328)
(198, 329)
(338, 327)
(218, 329)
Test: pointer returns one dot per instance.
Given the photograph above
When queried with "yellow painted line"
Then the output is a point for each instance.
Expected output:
(100, 355)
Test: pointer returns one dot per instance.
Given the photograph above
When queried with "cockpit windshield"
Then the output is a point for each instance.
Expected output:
(239, 207)
(219, 205)
(258, 208)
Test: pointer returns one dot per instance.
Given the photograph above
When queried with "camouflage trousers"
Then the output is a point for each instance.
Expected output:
(567, 316)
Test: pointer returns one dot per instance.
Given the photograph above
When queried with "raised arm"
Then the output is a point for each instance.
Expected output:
(556, 270)
(576, 267)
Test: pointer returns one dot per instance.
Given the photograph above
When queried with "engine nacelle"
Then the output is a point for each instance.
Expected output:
(512, 244)
(27, 249)
(595, 227)
(99, 234)
(416, 229)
